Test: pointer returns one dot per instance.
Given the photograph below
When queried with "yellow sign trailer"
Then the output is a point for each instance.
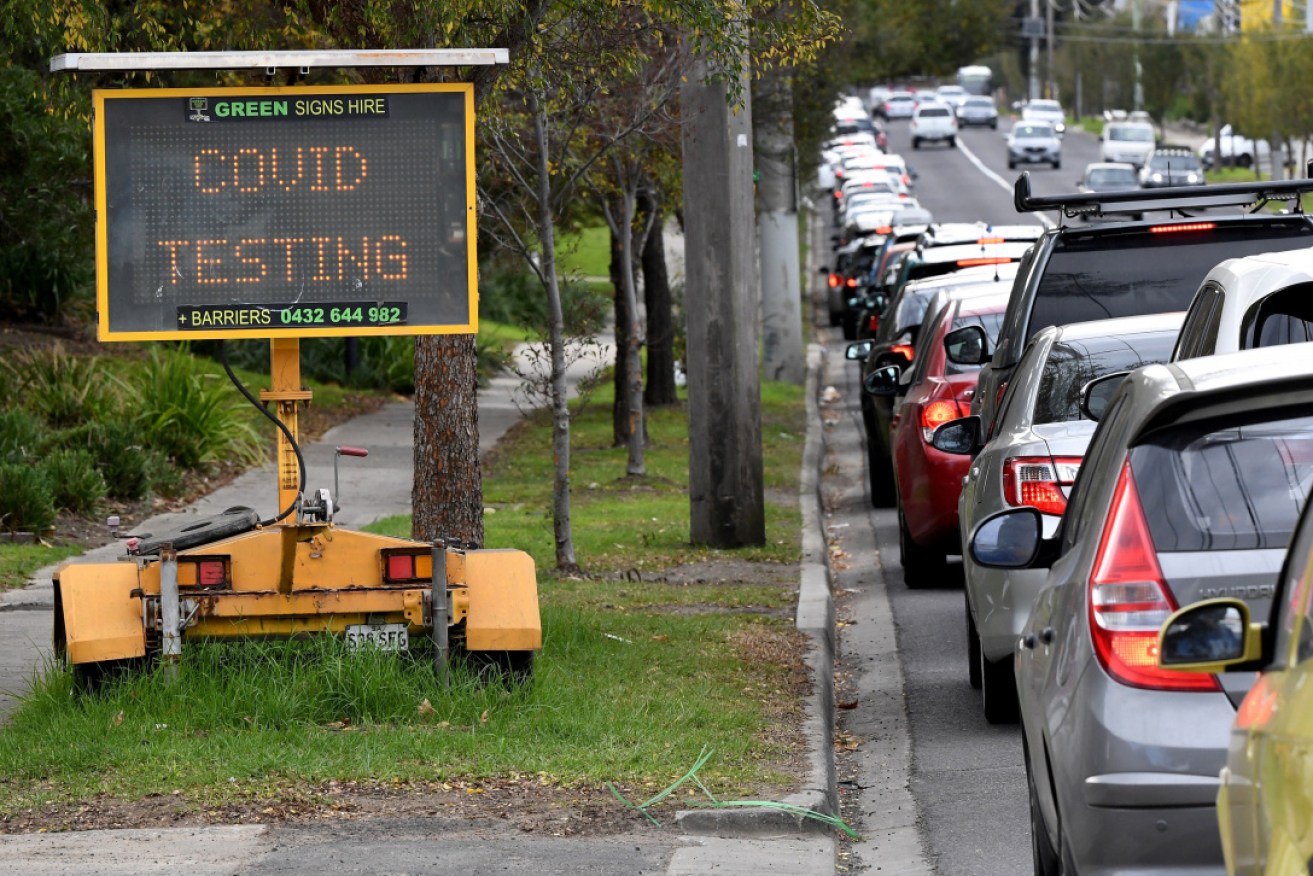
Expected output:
(288, 212)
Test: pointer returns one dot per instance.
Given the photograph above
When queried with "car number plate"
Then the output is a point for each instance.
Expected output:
(385, 637)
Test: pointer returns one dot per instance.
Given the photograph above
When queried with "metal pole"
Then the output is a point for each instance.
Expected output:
(1051, 81)
(170, 618)
(1033, 84)
(441, 614)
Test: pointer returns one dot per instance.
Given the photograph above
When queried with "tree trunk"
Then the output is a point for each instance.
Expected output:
(660, 388)
(562, 527)
(620, 407)
(447, 496)
(633, 348)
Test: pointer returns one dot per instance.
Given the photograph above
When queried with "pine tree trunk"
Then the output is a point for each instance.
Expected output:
(447, 495)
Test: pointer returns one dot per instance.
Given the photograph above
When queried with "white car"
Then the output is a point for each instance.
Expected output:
(953, 95)
(1237, 149)
(933, 122)
(1127, 142)
(1049, 111)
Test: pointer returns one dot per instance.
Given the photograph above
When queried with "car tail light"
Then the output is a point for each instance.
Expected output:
(1037, 481)
(407, 564)
(851, 283)
(211, 573)
(885, 229)
(838, 193)
(873, 324)
(937, 413)
(904, 350)
(835, 280)
(985, 240)
(1184, 226)
(1129, 600)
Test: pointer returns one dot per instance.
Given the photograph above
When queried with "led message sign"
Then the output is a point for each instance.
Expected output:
(280, 212)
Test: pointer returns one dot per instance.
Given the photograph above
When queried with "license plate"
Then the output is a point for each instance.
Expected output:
(385, 637)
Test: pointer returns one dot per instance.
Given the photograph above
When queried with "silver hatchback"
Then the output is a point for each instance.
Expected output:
(1032, 460)
(1191, 488)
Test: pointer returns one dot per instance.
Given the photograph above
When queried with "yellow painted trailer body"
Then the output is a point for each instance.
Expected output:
(296, 579)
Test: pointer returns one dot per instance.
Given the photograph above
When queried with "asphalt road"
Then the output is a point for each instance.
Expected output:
(967, 777)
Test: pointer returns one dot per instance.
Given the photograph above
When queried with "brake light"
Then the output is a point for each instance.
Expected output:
(873, 325)
(936, 414)
(209, 572)
(403, 565)
(1037, 481)
(838, 193)
(992, 260)
(884, 229)
(1129, 600)
(904, 350)
(835, 281)
(852, 283)
(1185, 226)
(984, 240)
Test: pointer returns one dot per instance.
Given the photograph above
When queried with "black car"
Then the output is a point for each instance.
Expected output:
(1171, 166)
(1081, 272)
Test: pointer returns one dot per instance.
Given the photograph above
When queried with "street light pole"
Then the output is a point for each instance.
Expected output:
(1033, 84)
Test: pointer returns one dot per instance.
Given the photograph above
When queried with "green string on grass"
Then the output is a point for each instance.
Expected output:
(830, 820)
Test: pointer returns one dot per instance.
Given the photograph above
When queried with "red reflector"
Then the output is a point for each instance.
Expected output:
(401, 567)
(995, 260)
(1185, 226)
(874, 324)
(209, 573)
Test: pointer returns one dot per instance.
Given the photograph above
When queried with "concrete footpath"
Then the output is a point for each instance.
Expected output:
(709, 841)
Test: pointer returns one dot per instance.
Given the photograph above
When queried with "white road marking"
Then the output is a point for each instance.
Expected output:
(1000, 181)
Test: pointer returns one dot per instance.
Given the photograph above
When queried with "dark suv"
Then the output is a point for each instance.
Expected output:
(1077, 273)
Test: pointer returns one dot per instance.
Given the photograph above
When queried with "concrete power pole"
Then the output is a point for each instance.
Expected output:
(727, 504)
(781, 296)
(1033, 83)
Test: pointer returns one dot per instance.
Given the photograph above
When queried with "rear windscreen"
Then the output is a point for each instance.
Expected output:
(1236, 487)
(1105, 276)
(1072, 364)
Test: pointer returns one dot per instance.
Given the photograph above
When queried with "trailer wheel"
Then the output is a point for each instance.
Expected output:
(511, 668)
(89, 678)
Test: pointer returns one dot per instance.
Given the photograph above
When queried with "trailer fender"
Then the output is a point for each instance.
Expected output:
(101, 619)
(503, 595)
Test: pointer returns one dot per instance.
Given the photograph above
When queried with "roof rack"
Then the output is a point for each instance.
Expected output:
(1176, 198)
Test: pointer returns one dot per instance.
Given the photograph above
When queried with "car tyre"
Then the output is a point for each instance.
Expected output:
(952, 142)
(836, 318)
(1045, 857)
(1057, 165)
(920, 565)
(849, 321)
(1244, 160)
(1012, 165)
(973, 645)
(878, 471)
(998, 690)
(993, 126)
(916, 143)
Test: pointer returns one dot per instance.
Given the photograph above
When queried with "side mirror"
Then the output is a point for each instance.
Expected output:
(1210, 636)
(883, 381)
(959, 437)
(1011, 540)
(1095, 395)
(859, 350)
(968, 345)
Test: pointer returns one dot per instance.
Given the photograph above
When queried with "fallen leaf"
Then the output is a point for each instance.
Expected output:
(846, 704)
(426, 708)
(483, 719)
(661, 638)
(118, 719)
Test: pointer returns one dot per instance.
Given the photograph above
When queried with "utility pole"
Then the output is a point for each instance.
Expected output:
(1138, 98)
(1051, 83)
(781, 296)
(725, 481)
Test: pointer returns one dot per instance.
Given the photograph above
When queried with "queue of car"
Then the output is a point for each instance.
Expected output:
(1108, 423)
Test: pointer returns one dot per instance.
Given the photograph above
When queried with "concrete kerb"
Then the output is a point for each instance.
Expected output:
(815, 619)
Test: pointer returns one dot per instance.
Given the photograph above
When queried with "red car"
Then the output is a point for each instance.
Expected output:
(928, 481)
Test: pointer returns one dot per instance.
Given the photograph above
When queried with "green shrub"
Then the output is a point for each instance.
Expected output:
(22, 436)
(64, 389)
(76, 483)
(131, 471)
(190, 414)
(27, 504)
(516, 297)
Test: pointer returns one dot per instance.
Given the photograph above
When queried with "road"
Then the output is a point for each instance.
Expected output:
(966, 777)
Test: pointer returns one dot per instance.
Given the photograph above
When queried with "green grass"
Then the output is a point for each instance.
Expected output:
(635, 677)
(1234, 174)
(18, 561)
(586, 252)
(500, 335)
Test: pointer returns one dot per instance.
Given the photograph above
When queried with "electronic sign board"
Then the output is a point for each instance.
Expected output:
(285, 212)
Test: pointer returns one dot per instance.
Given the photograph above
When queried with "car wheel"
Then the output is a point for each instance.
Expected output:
(880, 476)
(920, 565)
(952, 142)
(1057, 165)
(1245, 160)
(1042, 852)
(849, 320)
(973, 645)
(1012, 165)
(836, 317)
(998, 691)
(916, 144)
(993, 126)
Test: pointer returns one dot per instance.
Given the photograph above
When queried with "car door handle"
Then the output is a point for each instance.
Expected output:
(1046, 635)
